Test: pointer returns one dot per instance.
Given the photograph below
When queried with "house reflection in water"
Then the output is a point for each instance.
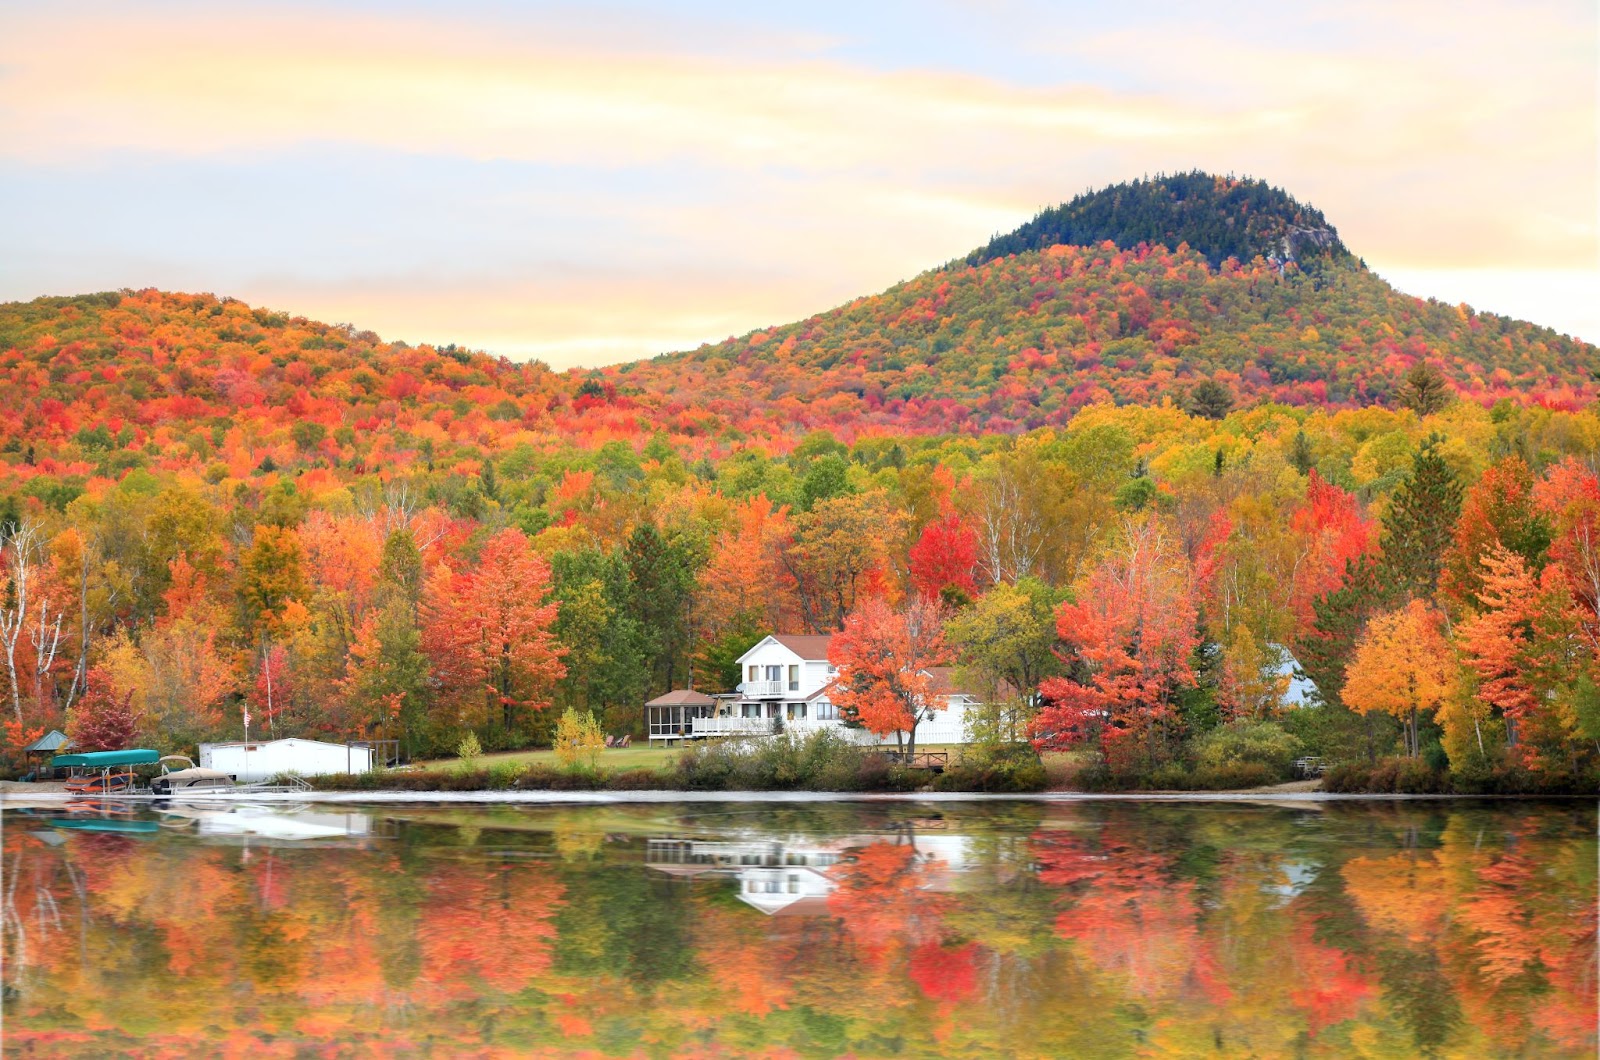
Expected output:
(794, 877)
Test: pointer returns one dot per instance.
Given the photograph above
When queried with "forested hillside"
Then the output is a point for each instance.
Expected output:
(208, 507)
(1027, 340)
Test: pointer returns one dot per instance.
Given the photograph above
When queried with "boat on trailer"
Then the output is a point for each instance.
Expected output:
(104, 772)
(190, 779)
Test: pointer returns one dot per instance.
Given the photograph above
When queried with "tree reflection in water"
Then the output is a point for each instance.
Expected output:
(1100, 929)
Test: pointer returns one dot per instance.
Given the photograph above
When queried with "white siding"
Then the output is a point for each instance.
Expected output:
(251, 762)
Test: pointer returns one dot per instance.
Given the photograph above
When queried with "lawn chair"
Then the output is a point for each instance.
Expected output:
(611, 741)
(625, 741)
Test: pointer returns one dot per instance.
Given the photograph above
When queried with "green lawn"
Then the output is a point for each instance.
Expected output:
(612, 758)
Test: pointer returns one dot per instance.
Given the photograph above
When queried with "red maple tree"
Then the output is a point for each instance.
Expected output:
(1128, 638)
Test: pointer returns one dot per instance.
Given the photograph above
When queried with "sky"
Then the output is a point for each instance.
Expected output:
(594, 183)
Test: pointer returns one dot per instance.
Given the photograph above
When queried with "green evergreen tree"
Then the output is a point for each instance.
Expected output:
(1418, 527)
(1341, 615)
(661, 576)
(1300, 453)
(1211, 399)
(1425, 390)
(400, 572)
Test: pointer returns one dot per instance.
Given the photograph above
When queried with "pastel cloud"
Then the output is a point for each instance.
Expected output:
(588, 191)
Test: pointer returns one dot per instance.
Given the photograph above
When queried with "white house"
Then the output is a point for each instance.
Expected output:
(786, 682)
(1300, 690)
(264, 759)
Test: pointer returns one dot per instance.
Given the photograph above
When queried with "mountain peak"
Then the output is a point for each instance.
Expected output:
(1218, 217)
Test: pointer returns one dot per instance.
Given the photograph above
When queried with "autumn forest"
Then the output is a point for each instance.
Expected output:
(1126, 487)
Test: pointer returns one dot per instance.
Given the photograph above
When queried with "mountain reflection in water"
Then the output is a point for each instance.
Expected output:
(870, 929)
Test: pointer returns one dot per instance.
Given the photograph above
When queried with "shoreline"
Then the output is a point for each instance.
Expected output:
(598, 798)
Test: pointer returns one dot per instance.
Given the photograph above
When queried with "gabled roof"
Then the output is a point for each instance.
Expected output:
(807, 646)
(54, 740)
(682, 697)
(810, 647)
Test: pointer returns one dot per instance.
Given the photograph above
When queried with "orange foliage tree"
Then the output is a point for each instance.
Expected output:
(490, 629)
(1522, 646)
(884, 656)
(1402, 666)
(1499, 509)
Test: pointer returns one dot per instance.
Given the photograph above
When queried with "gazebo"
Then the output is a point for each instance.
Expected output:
(671, 717)
(51, 743)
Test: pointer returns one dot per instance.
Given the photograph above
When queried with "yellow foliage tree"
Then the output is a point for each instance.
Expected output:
(1401, 667)
(578, 740)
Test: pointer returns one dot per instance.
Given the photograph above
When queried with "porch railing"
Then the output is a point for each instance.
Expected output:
(734, 726)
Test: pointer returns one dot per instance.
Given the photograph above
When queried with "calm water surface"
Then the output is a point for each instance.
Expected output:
(982, 929)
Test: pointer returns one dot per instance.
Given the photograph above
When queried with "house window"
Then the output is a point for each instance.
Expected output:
(755, 672)
(774, 674)
(794, 677)
(794, 885)
(797, 712)
(827, 711)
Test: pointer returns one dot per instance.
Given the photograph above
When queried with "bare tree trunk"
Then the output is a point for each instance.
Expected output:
(80, 672)
(21, 541)
(46, 639)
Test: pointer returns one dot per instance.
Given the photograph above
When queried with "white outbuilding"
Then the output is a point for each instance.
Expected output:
(264, 759)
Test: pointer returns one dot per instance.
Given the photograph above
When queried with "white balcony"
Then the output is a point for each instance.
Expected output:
(764, 690)
(733, 726)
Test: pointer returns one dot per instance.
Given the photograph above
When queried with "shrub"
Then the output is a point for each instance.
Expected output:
(469, 750)
(821, 761)
(1242, 742)
(637, 780)
(505, 776)
(1387, 776)
(1000, 767)
(578, 740)
(1174, 776)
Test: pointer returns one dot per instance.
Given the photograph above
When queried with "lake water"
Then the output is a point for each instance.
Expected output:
(1103, 929)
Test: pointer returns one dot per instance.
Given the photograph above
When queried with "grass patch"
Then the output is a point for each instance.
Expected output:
(612, 759)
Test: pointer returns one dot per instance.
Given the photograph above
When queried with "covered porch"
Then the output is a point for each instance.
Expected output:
(672, 717)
